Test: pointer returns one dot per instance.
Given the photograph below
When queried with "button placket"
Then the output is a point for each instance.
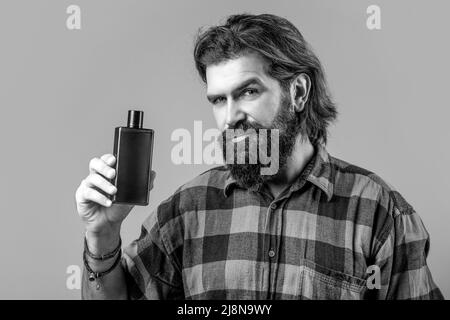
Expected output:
(271, 219)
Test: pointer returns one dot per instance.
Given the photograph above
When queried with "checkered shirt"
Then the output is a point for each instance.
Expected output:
(338, 232)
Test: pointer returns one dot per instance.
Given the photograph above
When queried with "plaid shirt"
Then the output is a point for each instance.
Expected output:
(213, 239)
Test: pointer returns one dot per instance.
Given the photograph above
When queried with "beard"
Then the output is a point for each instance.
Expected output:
(248, 175)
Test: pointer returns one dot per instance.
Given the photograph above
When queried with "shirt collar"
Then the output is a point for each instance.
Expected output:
(319, 171)
(322, 173)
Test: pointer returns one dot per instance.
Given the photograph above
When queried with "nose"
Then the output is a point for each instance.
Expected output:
(234, 114)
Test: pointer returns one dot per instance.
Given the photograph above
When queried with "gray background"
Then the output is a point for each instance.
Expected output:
(62, 93)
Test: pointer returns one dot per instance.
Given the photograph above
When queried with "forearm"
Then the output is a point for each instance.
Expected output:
(111, 285)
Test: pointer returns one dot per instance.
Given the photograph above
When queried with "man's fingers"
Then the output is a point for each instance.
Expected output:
(96, 180)
(90, 194)
(97, 165)
(109, 159)
(152, 179)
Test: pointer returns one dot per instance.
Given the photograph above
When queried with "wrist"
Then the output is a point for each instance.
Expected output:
(101, 244)
(100, 266)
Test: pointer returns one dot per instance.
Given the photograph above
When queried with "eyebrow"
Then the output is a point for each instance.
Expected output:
(253, 80)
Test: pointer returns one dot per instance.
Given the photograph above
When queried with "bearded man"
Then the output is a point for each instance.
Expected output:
(315, 228)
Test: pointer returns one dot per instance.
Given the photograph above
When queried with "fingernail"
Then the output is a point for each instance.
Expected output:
(113, 189)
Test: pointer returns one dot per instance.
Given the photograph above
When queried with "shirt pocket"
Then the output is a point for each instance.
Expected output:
(321, 283)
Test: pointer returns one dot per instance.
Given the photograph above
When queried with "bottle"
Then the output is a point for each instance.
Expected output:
(133, 148)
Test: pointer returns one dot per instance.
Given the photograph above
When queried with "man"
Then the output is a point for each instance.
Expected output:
(317, 228)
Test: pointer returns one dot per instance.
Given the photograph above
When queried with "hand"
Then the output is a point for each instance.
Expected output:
(100, 216)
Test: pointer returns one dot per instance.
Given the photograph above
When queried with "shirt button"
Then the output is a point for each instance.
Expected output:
(271, 253)
(273, 206)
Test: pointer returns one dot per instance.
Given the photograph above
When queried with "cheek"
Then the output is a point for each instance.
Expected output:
(264, 111)
(220, 117)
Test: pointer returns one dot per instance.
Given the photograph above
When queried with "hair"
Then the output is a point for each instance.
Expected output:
(286, 53)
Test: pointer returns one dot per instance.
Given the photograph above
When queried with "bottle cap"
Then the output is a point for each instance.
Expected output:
(135, 119)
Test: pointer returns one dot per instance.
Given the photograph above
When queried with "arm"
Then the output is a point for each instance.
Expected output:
(402, 259)
(102, 220)
(151, 270)
(111, 285)
(146, 271)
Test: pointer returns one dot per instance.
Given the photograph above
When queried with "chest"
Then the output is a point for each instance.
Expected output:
(285, 249)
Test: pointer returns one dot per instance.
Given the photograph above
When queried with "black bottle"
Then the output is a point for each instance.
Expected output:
(133, 148)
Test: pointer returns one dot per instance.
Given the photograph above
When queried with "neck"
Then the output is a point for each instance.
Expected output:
(301, 154)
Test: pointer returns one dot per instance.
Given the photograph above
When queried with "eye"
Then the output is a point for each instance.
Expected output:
(218, 100)
(249, 92)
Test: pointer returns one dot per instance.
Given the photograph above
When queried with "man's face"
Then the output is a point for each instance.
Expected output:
(245, 97)
(240, 90)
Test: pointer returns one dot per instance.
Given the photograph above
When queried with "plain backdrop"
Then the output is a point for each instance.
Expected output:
(62, 93)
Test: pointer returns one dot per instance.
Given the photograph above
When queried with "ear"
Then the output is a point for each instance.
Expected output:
(299, 91)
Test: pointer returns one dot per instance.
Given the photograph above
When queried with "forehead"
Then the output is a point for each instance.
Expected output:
(225, 76)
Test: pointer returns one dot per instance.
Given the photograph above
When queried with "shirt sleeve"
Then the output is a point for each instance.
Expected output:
(150, 272)
(402, 257)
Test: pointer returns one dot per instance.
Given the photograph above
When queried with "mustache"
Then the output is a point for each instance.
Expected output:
(245, 125)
